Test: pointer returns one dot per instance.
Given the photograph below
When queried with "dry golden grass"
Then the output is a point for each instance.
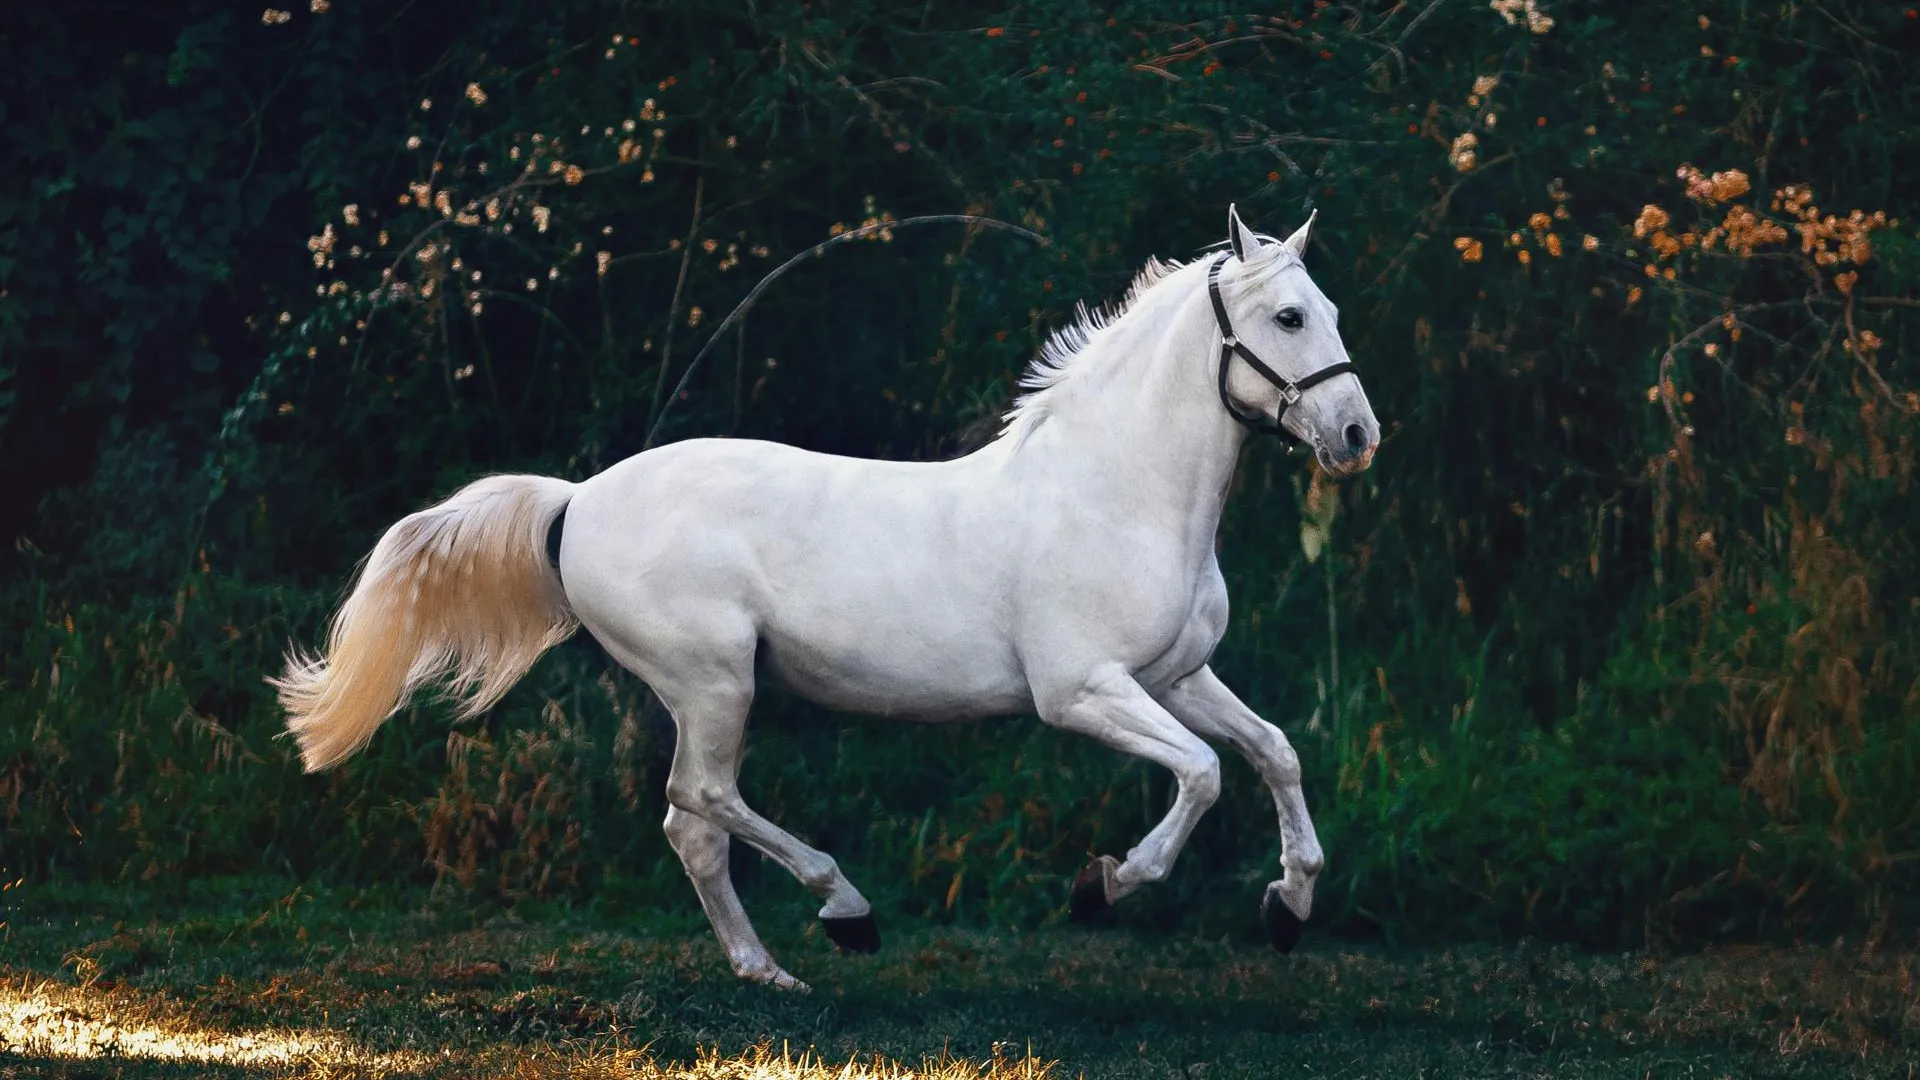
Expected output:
(54, 1022)
(49, 1020)
(764, 1062)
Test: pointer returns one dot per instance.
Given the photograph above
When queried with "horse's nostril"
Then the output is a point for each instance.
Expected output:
(1356, 438)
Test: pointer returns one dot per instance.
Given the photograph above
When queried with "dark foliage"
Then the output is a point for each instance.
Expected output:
(1616, 641)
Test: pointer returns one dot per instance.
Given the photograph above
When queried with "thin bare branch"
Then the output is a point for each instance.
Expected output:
(740, 311)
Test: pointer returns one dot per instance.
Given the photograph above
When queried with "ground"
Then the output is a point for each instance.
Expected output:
(251, 981)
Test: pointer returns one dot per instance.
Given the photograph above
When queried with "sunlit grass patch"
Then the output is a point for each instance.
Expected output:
(49, 1020)
(764, 1062)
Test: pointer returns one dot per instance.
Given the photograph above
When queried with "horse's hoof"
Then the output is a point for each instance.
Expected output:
(1283, 926)
(772, 975)
(1091, 900)
(783, 981)
(855, 933)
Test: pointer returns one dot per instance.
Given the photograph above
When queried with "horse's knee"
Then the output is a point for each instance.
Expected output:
(1200, 779)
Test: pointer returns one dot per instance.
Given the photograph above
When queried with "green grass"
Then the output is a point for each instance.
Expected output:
(98, 984)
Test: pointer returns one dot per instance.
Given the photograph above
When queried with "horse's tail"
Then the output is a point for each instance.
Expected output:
(461, 592)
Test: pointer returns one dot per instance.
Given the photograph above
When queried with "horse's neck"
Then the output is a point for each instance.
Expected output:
(1148, 429)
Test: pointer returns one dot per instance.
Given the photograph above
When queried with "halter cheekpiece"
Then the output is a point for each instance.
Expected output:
(1290, 390)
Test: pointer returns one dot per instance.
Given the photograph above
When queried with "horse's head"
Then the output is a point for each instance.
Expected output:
(1277, 314)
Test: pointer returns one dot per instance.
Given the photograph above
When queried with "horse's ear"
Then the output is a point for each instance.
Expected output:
(1297, 243)
(1239, 237)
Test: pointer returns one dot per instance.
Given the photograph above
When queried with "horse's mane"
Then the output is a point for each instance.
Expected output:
(1056, 362)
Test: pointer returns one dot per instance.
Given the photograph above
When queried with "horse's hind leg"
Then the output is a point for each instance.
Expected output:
(702, 847)
(711, 715)
(702, 670)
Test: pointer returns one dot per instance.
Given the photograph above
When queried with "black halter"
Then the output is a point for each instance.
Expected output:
(1290, 391)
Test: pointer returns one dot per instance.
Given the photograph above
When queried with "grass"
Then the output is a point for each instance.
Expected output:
(246, 979)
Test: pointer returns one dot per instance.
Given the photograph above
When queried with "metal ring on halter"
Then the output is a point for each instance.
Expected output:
(1230, 347)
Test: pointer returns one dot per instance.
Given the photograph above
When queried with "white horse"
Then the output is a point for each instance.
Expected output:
(1065, 569)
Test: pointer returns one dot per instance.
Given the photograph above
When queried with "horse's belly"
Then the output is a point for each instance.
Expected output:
(902, 674)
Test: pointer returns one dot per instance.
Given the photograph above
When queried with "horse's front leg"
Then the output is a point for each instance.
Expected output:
(1110, 707)
(1205, 705)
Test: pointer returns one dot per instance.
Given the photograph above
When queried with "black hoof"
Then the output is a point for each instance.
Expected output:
(1283, 926)
(1088, 903)
(854, 934)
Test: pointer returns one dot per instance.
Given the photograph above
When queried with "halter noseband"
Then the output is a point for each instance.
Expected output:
(1290, 391)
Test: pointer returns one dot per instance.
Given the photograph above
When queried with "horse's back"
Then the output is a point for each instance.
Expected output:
(875, 586)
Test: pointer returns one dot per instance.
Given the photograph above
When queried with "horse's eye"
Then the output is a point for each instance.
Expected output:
(1290, 318)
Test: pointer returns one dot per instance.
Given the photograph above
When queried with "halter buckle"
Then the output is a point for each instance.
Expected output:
(1290, 394)
(1227, 339)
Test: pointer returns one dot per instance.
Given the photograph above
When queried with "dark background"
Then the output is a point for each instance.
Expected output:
(1615, 643)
